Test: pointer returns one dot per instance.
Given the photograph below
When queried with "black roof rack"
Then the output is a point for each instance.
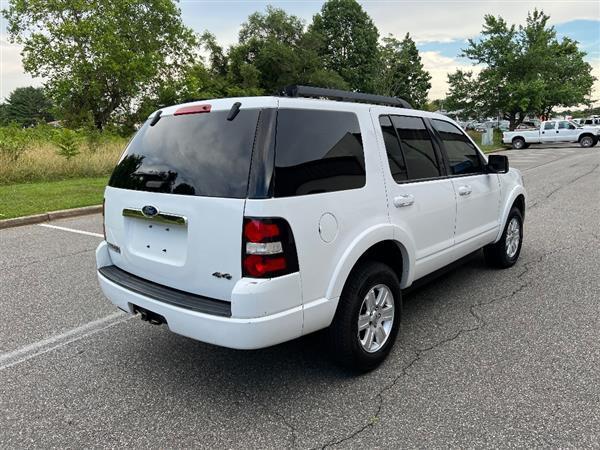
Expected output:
(344, 96)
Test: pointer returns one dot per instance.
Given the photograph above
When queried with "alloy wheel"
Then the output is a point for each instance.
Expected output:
(513, 237)
(375, 318)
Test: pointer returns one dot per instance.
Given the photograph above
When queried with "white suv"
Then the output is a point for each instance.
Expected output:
(252, 221)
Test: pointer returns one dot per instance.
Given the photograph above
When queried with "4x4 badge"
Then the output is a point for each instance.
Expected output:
(222, 275)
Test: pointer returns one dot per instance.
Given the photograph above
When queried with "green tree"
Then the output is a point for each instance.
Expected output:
(28, 106)
(526, 70)
(402, 73)
(348, 42)
(461, 97)
(274, 51)
(66, 143)
(98, 56)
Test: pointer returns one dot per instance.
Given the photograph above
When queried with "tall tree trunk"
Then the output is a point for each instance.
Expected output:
(98, 121)
(512, 119)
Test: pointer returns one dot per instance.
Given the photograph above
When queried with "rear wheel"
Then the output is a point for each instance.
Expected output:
(505, 252)
(518, 143)
(587, 141)
(367, 319)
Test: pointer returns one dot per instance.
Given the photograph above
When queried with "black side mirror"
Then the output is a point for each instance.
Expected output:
(497, 164)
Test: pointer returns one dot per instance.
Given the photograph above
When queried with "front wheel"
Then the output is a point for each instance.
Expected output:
(367, 319)
(506, 251)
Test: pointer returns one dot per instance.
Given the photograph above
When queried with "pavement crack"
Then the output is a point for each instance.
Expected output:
(421, 352)
(38, 261)
(562, 186)
(289, 425)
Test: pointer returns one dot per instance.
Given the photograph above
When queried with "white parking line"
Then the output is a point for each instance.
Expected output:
(23, 354)
(87, 233)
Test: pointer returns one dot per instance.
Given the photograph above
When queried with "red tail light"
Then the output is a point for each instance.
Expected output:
(268, 248)
(194, 109)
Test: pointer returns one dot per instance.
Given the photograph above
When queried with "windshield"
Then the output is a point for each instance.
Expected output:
(196, 154)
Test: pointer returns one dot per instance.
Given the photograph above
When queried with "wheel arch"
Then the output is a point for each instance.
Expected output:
(379, 244)
(587, 134)
(516, 198)
(519, 202)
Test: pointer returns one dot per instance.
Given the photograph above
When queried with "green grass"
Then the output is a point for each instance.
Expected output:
(497, 145)
(18, 200)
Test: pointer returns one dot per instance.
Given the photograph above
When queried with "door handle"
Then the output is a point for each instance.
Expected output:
(464, 190)
(404, 200)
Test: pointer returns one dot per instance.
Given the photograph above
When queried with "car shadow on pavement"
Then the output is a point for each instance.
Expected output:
(308, 358)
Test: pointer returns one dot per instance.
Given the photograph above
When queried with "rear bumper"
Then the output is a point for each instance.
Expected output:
(248, 328)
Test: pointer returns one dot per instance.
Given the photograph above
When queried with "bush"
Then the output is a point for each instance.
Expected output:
(13, 143)
(46, 153)
(66, 141)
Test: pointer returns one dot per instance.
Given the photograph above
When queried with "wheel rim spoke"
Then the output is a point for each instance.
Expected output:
(387, 314)
(380, 334)
(370, 301)
(370, 335)
(381, 297)
(363, 322)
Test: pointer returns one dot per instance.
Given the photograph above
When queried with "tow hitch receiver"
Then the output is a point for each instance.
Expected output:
(149, 316)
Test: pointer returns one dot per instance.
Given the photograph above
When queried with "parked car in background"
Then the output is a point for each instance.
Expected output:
(528, 124)
(591, 121)
(552, 131)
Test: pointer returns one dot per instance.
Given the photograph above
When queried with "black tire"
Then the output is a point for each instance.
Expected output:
(526, 145)
(497, 255)
(587, 141)
(518, 143)
(344, 338)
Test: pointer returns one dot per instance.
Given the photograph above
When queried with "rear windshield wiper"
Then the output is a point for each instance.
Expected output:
(233, 112)
(156, 118)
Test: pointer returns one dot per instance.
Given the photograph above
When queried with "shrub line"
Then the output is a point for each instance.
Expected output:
(52, 215)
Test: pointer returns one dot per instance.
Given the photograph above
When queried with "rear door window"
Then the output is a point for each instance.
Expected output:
(196, 154)
(462, 155)
(393, 150)
(417, 148)
(317, 152)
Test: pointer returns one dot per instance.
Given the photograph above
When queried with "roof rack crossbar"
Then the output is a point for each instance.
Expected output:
(344, 96)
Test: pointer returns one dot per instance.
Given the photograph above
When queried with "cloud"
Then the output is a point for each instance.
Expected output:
(12, 74)
(450, 20)
(434, 24)
(439, 66)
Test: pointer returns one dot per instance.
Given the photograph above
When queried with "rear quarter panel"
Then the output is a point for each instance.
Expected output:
(354, 210)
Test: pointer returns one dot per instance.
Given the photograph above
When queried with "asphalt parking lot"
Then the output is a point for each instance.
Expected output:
(484, 358)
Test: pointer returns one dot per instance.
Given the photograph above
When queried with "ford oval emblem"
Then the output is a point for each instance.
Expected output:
(149, 211)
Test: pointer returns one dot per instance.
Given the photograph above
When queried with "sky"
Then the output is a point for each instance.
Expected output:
(439, 27)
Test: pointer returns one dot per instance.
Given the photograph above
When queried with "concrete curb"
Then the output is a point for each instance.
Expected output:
(53, 215)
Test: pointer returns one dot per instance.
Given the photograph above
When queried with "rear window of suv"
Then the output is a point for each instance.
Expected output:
(317, 152)
(196, 154)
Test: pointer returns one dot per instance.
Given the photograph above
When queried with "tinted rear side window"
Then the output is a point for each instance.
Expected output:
(317, 152)
(196, 154)
(419, 155)
(393, 150)
(462, 155)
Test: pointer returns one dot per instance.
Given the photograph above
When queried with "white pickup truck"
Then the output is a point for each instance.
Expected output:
(553, 131)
